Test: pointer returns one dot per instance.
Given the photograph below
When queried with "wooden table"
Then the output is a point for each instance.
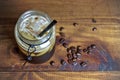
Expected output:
(106, 37)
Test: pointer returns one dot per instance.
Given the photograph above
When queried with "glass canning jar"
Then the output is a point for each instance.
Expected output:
(33, 47)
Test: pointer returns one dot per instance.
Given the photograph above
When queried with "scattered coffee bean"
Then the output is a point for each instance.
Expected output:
(61, 28)
(52, 63)
(93, 20)
(61, 40)
(75, 24)
(70, 61)
(63, 62)
(78, 54)
(69, 56)
(62, 34)
(74, 59)
(89, 48)
(68, 50)
(83, 64)
(93, 46)
(94, 28)
(85, 50)
(65, 45)
(78, 47)
(73, 51)
(88, 52)
(74, 55)
(79, 50)
(72, 48)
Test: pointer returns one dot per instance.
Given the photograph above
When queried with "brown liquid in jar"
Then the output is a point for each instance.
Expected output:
(27, 33)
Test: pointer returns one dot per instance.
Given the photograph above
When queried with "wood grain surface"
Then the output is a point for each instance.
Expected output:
(60, 75)
(106, 37)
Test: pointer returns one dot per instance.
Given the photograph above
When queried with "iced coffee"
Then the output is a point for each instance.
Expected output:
(27, 30)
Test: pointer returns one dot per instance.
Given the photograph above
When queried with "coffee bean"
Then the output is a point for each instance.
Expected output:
(73, 51)
(78, 47)
(89, 48)
(79, 50)
(68, 50)
(93, 20)
(74, 55)
(88, 52)
(94, 28)
(74, 59)
(78, 54)
(62, 34)
(61, 28)
(83, 64)
(52, 63)
(93, 46)
(75, 24)
(65, 45)
(63, 62)
(72, 48)
(70, 61)
(85, 50)
(61, 40)
(69, 56)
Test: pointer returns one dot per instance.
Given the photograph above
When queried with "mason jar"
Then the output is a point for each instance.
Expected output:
(35, 48)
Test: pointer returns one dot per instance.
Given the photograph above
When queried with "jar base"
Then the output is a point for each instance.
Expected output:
(40, 59)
